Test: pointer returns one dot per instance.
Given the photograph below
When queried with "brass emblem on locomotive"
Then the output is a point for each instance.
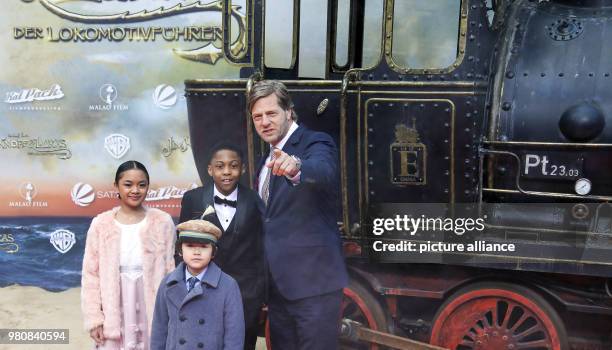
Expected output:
(408, 157)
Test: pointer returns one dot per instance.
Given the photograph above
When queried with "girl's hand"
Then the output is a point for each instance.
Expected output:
(97, 335)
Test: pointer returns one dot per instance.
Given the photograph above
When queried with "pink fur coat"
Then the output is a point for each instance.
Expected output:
(100, 282)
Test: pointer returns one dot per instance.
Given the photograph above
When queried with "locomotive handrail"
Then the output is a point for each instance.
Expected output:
(350, 75)
(548, 194)
(255, 77)
(555, 144)
(355, 83)
(519, 189)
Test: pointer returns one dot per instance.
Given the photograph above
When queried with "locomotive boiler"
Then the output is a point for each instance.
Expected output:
(494, 111)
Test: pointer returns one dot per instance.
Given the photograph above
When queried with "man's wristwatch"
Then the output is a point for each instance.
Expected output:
(298, 162)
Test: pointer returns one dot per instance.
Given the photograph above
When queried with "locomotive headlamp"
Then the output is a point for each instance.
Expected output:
(582, 123)
(582, 186)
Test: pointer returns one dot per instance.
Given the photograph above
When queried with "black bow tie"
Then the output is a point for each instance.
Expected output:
(219, 200)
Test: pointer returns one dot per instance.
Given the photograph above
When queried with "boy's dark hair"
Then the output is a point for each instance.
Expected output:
(220, 146)
(129, 165)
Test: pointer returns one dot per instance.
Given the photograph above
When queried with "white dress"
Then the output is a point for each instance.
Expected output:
(134, 334)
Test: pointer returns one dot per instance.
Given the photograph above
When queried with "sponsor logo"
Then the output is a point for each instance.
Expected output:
(117, 145)
(15, 98)
(107, 194)
(37, 146)
(167, 192)
(28, 192)
(164, 96)
(34, 94)
(170, 146)
(82, 194)
(155, 197)
(62, 240)
(108, 94)
(7, 243)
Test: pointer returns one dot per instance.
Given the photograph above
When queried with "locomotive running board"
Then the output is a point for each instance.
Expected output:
(355, 331)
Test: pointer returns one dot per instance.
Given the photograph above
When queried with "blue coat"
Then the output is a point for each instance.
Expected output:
(209, 317)
(301, 236)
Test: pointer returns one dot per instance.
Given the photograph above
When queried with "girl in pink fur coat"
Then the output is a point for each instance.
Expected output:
(128, 252)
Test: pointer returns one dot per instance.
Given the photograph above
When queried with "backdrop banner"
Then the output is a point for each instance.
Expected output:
(87, 85)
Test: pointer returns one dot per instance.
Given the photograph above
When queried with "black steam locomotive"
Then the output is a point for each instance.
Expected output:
(498, 110)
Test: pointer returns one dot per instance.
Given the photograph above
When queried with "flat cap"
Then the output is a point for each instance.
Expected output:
(198, 231)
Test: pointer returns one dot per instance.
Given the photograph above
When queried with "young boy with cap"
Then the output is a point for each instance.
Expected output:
(198, 306)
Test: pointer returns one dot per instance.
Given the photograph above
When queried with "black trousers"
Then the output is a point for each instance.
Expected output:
(252, 312)
(250, 338)
(305, 324)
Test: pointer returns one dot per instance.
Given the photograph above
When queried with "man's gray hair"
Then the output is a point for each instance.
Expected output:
(265, 88)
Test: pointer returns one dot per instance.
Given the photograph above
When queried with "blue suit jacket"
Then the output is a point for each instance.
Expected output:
(301, 235)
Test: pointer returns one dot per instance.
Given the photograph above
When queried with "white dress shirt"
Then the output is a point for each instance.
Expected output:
(264, 169)
(225, 212)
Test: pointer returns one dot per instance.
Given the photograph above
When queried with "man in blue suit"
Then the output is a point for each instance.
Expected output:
(298, 181)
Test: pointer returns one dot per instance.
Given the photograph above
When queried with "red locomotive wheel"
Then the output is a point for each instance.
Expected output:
(498, 316)
(358, 304)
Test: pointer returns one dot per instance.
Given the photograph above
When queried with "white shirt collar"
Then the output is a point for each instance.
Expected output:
(232, 196)
(283, 141)
(199, 276)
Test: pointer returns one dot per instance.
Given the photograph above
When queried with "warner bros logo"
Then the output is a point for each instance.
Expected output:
(117, 145)
(62, 240)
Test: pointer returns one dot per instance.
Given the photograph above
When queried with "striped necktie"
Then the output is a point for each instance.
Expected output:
(265, 189)
(192, 282)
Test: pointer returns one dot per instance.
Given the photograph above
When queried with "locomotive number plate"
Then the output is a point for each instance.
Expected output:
(408, 163)
(551, 165)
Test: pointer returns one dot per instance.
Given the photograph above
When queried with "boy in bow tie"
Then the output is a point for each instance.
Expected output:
(198, 306)
(238, 213)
